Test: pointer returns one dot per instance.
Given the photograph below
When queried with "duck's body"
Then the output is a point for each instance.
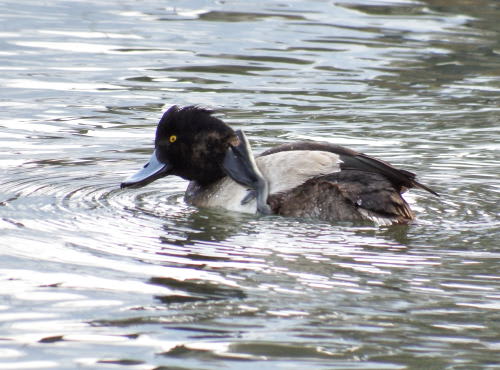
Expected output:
(310, 184)
(303, 179)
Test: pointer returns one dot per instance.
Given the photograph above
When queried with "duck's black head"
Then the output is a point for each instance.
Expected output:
(193, 144)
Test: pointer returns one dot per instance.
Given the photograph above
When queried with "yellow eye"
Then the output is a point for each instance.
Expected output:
(172, 138)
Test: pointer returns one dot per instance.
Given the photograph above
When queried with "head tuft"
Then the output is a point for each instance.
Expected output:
(186, 119)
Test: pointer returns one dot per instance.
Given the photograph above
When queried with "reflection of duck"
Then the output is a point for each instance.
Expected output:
(304, 179)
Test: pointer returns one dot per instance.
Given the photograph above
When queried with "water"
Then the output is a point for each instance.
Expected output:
(96, 277)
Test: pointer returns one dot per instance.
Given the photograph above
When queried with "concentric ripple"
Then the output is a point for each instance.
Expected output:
(74, 205)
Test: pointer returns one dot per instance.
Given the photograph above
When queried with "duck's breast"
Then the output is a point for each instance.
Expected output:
(283, 171)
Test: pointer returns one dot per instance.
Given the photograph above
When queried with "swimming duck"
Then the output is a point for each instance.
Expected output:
(302, 179)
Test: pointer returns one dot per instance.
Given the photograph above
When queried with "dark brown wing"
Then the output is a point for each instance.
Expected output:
(400, 179)
(349, 195)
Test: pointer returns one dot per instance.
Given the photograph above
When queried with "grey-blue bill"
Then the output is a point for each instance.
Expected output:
(151, 171)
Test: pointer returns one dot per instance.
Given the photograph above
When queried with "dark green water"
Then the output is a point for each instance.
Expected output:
(95, 277)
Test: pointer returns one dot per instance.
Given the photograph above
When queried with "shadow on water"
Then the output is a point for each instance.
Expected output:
(208, 226)
(197, 291)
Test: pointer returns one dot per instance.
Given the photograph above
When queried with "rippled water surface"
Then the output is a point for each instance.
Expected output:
(96, 277)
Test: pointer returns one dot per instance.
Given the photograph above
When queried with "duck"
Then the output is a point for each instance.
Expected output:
(304, 179)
